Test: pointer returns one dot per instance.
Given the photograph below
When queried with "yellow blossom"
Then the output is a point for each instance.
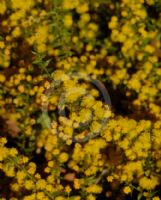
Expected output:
(63, 157)
(2, 78)
(94, 189)
(148, 183)
(109, 178)
(127, 190)
(156, 198)
(68, 20)
(29, 185)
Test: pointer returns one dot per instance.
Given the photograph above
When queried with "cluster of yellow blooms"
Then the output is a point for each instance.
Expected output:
(59, 137)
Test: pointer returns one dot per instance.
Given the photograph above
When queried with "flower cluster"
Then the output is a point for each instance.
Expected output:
(60, 137)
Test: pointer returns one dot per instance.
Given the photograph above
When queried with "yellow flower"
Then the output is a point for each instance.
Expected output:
(2, 45)
(21, 88)
(9, 171)
(156, 198)
(63, 157)
(148, 183)
(95, 127)
(15, 187)
(85, 17)
(149, 49)
(51, 163)
(68, 21)
(3, 7)
(68, 189)
(20, 176)
(127, 190)
(28, 130)
(109, 178)
(73, 93)
(41, 184)
(94, 189)
(49, 188)
(41, 48)
(32, 168)
(77, 198)
(23, 4)
(68, 130)
(70, 4)
(3, 141)
(13, 152)
(29, 185)
(40, 195)
(88, 101)
(113, 23)
(107, 135)
(82, 8)
(85, 115)
(76, 184)
(68, 141)
(151, 2)
(91, 197)
(16, 32)
(30, 197)
(60, 198)
(148, 66)
(3, 153)
(24, 159)
(135, 84)
(47, 84)
(2, 78)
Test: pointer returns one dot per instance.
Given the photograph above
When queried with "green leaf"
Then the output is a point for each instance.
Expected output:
(44, 120)
(157, 64)
(140, 196)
